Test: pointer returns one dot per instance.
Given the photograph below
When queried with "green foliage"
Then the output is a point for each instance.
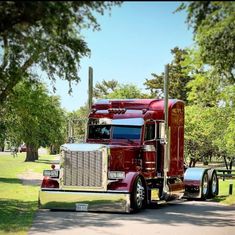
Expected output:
(204, 89)
(126, 91)
(114, 90)
(177, 76)
(224, 196)
(46, 34)
(214, 29)
(76, 123)
(200, 132)
(101, 90)
(209, 132)
(34, 117)
(211, 97)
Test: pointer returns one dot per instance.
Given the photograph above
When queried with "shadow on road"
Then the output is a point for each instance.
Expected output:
(195, 213)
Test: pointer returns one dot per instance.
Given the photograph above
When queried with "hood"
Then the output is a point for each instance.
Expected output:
(121, 157)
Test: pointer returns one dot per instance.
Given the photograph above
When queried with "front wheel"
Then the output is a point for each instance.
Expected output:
(138, 196)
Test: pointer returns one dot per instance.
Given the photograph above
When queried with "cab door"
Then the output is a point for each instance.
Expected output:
(152, 150)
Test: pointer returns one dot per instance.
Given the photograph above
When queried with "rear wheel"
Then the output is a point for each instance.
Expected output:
(213, 184)
(204, 186)
(138, 196)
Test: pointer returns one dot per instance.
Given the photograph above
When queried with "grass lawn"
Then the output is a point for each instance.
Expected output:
(224, 196)
(18, 203)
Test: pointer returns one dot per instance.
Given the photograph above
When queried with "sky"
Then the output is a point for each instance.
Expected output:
(134, 41)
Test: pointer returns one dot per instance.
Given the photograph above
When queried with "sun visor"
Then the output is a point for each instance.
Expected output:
(128, 122)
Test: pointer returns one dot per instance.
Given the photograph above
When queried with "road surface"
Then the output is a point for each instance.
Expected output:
(188, 217)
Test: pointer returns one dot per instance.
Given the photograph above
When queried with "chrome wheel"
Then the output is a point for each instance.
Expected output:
(213, 183)
(140, 193)
(205, 186)
(138, 196)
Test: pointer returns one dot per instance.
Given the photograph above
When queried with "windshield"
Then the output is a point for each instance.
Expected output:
(99, 132)
(116, 132)
(124, 132)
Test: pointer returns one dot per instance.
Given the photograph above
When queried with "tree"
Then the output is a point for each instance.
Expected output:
(177, 76)
(126, 91)
(44, 34)
(225, 122)
(35, 118)
(102, 90)
(114, 90)
(2, 134)
(214, 29)
(76, 124)
(211, 63)
(209, 116)
(206, 133)
(205, 84)
(201, 131)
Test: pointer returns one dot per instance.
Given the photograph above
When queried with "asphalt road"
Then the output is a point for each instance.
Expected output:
(189, 217)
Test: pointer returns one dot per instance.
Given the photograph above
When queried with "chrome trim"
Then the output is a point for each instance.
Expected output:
(117, 122)
(128, 111)
(134, 111)
(109, 201)
(103, 111)
(193, 178)
(194, 174)
(128, 122)
(82, 147)
(149, 148)
(102, 101)
(85, 148)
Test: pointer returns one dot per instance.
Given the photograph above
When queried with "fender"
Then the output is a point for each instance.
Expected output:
(125, 184)
(193, 181)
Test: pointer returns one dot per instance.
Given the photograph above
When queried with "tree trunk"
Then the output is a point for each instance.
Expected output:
(32, 153)
(52, 149)
(231, 164)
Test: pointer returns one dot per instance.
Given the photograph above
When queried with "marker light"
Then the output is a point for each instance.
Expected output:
(117, 110)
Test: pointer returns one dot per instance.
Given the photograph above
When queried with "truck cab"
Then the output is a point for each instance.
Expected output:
(122, 165)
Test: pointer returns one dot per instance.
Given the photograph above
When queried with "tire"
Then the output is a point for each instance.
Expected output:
(205, 186)
(213, 184)
(138, 195)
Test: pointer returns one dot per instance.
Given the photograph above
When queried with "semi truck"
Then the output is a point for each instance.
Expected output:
(132, 157)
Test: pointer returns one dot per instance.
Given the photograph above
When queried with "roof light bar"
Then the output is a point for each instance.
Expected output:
(117, 110)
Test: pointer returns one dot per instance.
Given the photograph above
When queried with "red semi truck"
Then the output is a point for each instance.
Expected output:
(133, 156)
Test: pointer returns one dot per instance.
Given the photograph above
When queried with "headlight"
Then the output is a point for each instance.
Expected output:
(116, 175)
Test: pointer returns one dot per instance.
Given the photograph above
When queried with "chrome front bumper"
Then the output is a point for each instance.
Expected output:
(110, 201)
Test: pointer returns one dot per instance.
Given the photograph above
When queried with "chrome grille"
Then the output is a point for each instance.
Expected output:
(83, 168)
